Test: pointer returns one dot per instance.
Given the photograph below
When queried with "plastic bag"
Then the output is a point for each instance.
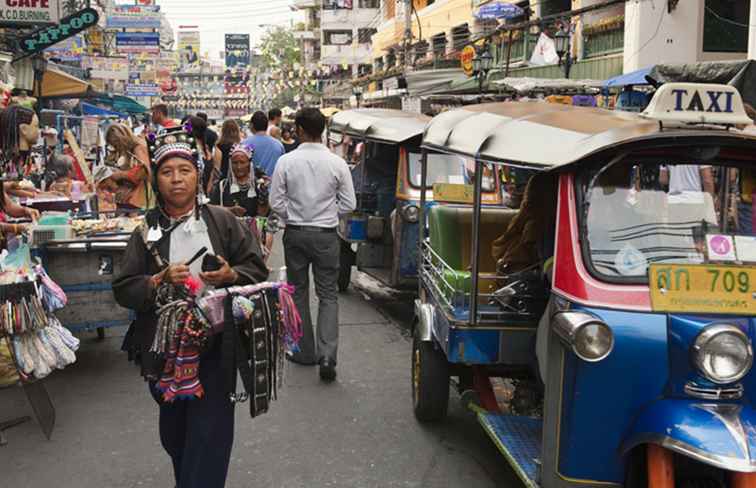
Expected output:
(51, 293)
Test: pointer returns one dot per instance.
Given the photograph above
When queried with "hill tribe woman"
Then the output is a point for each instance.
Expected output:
(197, 433)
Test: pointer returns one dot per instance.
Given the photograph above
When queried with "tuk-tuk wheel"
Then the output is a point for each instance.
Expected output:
(430, 381)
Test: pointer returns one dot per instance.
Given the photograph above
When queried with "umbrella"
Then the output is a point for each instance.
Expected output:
(498, 10)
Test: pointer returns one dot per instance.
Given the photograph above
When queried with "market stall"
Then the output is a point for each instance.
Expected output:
(82, 255)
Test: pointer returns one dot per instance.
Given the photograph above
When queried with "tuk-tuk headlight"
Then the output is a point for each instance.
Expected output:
(411, 213)
(590, 338)
(723, 354)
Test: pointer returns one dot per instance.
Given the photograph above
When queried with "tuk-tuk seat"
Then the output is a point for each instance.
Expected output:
(451, 238)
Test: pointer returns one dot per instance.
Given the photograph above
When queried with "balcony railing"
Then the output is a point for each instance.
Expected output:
(603, 43)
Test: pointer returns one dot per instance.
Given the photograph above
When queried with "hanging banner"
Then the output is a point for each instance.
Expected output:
(133, 17)
(189, 50)
(29, 12)
(137, 43)
(237, 50)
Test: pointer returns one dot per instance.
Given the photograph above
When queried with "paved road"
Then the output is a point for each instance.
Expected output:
(358, 432)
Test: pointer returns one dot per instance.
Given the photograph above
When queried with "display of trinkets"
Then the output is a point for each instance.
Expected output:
(36, 340)
(260, 323)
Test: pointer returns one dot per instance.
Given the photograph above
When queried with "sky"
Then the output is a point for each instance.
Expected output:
(218, 17)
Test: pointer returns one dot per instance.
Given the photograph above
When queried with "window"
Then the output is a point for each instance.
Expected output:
(337, 38)
(448, 168)
(550, 7)
(364, 36)
(439, 44)
(369, 3)
(460, 36)
(337, 4)
(722, 32)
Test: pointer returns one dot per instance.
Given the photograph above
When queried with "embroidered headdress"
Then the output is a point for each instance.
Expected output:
(172, 143)
(247, 150)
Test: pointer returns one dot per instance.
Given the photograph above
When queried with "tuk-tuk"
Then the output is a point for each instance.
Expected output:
(617, 308)
(384, 146)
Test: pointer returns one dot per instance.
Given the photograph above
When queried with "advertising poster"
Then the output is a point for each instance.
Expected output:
(138, 42)
(108, 68)
(69, 50)
(30, 12)
(237, 50)
(133, 17)
(189, 50)
(166, 67)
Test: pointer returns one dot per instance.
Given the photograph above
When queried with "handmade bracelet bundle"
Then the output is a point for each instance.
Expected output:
(260, 323)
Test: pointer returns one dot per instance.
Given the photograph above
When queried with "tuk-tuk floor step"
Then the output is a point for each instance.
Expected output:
(519, 440)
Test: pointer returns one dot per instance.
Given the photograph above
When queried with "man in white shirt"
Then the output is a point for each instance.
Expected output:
(311, 187)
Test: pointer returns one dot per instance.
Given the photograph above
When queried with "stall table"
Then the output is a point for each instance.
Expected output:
(84, 268)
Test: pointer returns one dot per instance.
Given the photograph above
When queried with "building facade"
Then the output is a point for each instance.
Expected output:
(621, 37)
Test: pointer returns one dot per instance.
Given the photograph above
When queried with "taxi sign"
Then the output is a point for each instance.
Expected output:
(697, 103)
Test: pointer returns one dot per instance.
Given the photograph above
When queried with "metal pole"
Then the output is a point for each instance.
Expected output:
(476, 243)
(509, 54)
(421, 220)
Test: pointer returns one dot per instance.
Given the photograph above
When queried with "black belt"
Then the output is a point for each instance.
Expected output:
(309, 228)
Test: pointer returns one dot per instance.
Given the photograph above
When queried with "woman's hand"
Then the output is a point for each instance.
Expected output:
(32, 213)
(176, 274)
(226, 276)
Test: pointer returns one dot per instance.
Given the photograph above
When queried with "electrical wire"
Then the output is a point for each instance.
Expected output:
(726, 20)
(656, 33)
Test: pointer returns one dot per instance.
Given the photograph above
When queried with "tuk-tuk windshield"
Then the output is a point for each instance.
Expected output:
(448, 168)
(670, 212)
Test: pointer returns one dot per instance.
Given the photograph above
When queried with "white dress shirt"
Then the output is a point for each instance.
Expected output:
(311, 187)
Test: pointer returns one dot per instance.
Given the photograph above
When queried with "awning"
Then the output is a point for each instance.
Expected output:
(633, 78)
(56, 83)
(433, 81)
(524, 85)
(119, 103)
(89, 109)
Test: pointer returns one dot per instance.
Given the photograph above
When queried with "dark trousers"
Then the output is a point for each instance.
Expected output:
(321, 251)
(198, 434)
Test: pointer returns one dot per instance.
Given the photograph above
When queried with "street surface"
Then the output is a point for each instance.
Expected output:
(357, 432)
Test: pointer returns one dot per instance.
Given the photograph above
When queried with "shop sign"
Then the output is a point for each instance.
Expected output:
(133, 17)
(466, 60)
(41, 39)
(21, 12)
(142, 90)
(137, 42)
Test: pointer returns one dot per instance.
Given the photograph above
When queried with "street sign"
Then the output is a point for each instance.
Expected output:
(20, 13)
(41, 39)
(466, 60)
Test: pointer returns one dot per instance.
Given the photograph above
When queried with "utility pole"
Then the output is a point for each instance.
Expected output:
(408, 6)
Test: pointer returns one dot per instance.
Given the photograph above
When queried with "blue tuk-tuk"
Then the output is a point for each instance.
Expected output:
(616, 309)
(380, 237)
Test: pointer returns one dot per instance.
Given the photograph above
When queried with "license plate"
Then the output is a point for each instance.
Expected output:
(703, 289)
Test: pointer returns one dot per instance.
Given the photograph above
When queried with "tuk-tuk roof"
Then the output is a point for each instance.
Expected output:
(381, 125)
(545, 135)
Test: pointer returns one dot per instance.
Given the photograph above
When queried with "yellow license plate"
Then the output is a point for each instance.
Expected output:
(703, 289)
